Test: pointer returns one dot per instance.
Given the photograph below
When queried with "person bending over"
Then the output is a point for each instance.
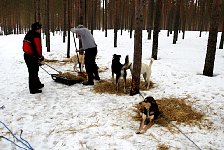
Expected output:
(90, 48)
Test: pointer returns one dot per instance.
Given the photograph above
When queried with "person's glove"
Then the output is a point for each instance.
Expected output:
(42, 58)
(41, 61)
(80, 50)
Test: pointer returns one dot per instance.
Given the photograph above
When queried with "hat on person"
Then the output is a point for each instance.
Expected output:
(36, 26)
(80, 26)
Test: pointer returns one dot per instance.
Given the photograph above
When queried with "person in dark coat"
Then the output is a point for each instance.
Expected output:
(90, 48)
(32, 49)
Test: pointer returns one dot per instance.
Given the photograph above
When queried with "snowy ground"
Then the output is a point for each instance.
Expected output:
(74, 117)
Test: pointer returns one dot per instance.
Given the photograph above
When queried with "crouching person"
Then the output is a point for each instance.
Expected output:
(33, 56)
(90, 48)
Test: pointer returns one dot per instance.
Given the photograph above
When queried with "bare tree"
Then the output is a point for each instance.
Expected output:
(106, 18)
(116, 22)
(65, 19)
(222, 36)
(212, 39)
(176, 21)
(132, 14)
(150, 18)
(69, 27)
(137, 47)
(156, 29)
(37, 11)
(47, 28)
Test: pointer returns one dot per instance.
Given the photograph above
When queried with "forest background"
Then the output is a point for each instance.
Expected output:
(175, 16)
(16, 16)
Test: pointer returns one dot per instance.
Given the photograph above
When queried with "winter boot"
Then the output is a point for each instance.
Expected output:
(96, 74)
(35, 91)
(88, 82)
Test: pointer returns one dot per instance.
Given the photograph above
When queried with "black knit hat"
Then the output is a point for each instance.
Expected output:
(80, 26)
(36, 26)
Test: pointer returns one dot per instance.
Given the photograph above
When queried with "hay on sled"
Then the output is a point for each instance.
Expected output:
(72, 76)
(68, 78)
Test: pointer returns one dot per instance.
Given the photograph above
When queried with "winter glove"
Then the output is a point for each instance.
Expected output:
(80, 50)
(41, 61)
(41, 58)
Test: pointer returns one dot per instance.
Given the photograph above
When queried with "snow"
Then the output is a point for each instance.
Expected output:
(75, 117)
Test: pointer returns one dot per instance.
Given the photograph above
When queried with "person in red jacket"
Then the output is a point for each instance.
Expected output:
(32, 48)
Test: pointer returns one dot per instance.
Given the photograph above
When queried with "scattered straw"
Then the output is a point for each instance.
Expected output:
(162, 147)
(106, 86)
(176, 110)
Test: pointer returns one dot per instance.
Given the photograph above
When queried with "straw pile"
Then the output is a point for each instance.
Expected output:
(107, 86)
(176, 110)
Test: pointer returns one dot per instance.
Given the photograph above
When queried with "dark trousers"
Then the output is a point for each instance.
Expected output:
(90, 63)
(33, 68)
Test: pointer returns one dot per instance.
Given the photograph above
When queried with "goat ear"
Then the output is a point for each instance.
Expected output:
(126, 60)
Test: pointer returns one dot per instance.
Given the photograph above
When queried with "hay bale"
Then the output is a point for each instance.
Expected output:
(107, 86)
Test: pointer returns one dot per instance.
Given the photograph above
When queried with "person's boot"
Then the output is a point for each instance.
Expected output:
(96, 74)
(35, 91)
(88, 82)
(40, 86)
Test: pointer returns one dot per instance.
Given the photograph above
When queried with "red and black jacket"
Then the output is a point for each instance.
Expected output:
(32, 44)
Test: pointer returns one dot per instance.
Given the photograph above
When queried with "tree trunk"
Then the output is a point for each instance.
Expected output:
(176, 22)
(132, 11)
(170, 19)
(156, 29)
(201, 17)
(150, 18)
(92, 16)
(106, 9)
(222, 37)
(65, 16)
(115, 23)
(47, 31)
(68, 28)
(137, 47)
(183, 18)
(37, 11)
(212, 39)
